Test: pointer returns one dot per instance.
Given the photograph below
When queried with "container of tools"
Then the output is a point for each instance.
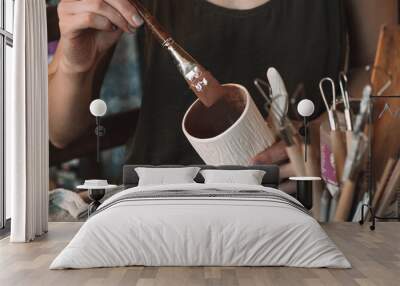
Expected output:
(342, 161)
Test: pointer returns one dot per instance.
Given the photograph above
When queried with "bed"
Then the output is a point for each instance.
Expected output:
(201, 224)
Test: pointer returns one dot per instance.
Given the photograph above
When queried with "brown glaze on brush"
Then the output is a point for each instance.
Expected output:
(222, 105)
(202, 82)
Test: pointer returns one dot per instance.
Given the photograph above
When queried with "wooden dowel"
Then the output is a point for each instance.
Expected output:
(383, 181)
(345, 201)
(317, 197)
(390, 190)
(297, 140)
(296, 159)
(333, 207)
(381, 185)
(349, 140)
(339, 152)
(159, 32)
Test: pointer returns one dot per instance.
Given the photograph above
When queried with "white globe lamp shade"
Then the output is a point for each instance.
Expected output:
(306, 108)
(98, 108)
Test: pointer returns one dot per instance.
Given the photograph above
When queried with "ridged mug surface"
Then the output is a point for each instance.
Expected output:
(237, 145)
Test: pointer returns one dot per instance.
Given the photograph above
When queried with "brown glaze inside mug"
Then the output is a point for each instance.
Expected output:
(207, 122)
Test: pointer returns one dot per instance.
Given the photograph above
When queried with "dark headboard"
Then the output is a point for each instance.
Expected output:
(271, 178)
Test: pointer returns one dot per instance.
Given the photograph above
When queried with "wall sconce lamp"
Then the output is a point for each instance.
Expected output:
(306, 109)
(98, 108)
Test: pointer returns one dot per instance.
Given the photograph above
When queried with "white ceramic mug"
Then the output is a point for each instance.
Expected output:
(239, 143)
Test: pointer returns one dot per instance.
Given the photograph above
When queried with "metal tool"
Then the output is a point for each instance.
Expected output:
(259, 83)
(343, 81)
(280, 119)
(278, 114)
(359, 142)
(336, 135)
(280, 97)
(362, 116)
(283, 126)
(330, 109)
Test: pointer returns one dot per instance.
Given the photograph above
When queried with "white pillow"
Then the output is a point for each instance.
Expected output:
(165, 176)
(247, 177)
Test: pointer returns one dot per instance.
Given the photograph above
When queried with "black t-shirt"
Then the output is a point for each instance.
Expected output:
(303, 39)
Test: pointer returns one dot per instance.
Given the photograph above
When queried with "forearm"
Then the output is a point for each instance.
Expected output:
(70, 94)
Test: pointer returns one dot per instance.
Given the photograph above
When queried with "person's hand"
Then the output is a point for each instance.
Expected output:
(90, 27)
(277, 155)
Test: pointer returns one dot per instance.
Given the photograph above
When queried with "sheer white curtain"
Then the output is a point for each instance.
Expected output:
(27, 124)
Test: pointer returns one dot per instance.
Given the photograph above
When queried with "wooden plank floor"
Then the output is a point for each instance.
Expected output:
(375, 257)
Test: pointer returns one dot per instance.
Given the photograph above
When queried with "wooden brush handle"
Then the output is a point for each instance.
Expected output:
(382, 185)
(313, 167)
(390, 191)
(345, 202)
(383, 181)
(339, 152)
(297, 140)
(296, 159)
(203, 84)
(159, 32)
(349, 140)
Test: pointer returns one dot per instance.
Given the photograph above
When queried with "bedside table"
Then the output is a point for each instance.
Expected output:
(96, 191)
(305, 190)
(95, 195)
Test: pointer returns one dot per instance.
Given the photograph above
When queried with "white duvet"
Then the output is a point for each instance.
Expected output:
(200, 232)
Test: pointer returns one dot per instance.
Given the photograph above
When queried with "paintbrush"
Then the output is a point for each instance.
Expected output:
(339, 150)
(390, 191)
(343, 82)
(359, 147)
(336, 135)
(282, 124)
(201, 81)
(277, 103)
(380, 189)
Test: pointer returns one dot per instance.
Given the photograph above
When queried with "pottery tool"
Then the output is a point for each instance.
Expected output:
(279, 116)
(358, 134)
(343, 82)
(328, 170)
(348, 187)
(330, 109)
(354, 160)
(336, 135)
(339, 151)
(201, 81)
(280, 97)
(283, 126)
(277, 103)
